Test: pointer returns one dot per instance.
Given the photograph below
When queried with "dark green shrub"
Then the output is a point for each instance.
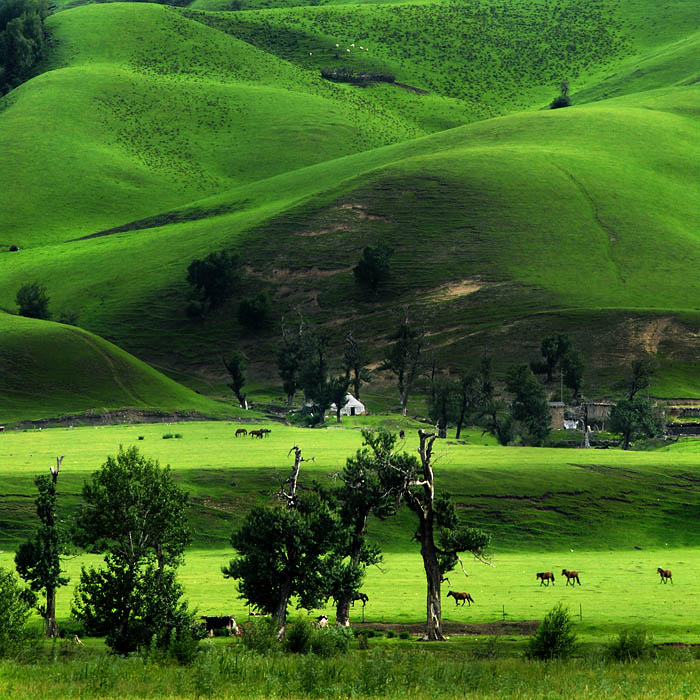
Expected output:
(560, 101)
(254, 312)
(33, 301)
(330, 641)
(632, 643)
(390, 634)
(405, 635)
(260, 635)
(555, 637)
(362, 641)
(298, 639)
(15, 611)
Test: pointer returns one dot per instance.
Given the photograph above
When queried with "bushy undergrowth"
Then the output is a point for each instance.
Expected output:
(631, 644)
(555, 637)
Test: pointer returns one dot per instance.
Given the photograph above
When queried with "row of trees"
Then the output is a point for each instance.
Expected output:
(312, 546)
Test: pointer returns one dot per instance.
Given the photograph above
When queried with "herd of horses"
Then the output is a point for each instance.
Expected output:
(260, 433)
(544, 577)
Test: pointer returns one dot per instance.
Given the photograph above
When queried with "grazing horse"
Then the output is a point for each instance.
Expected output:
(256, 434)
(362, 597)
(265, 431)
(545, 576)
(665, 575)
(571, 577)
(464, 597)
(241, 431)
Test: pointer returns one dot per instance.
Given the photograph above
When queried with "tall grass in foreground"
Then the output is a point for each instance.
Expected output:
(377, 673)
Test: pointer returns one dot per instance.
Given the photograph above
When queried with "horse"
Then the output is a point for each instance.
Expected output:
(219, 622)
(464, 597)
(363, 597)
(571, 577)
(444, 579)
(256, 434)
(265, 431)
(241, 431)
(545, 576)
(665, 575)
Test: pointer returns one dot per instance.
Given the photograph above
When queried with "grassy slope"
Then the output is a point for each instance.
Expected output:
(48, 368)
(541, 211)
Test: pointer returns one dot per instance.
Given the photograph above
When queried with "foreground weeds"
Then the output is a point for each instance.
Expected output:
(413, 671)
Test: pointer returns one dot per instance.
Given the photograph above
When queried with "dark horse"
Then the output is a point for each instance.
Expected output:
(363, 597)
(464, 597)
(665, 575)
(256, 434)
(545, 576)
(241, 431)
(571, 577)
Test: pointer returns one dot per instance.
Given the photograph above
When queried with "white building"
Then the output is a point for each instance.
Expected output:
(353, 407)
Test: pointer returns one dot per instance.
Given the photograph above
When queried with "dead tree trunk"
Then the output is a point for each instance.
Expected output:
(423, 506)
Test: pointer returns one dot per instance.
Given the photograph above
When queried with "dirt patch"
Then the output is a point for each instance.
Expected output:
(516, 627)
(360, 212)
(280, 275)
(334, 228)
(454, 290)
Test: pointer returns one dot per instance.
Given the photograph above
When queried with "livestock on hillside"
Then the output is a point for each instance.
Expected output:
(256, 434)
(220, 622)
(241, 431)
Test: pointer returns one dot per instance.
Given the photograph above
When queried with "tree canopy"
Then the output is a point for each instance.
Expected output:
(22, 40)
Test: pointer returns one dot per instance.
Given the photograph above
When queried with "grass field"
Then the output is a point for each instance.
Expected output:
(613, 516)
(200, 130)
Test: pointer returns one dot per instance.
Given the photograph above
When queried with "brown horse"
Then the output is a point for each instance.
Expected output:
(665, 575)
(256, 434)
(571, 577)
(545, 576)
(464, 597)
(362, 597)
(241, 431)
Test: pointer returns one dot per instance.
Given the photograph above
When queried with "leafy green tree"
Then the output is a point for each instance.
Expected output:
(633, 418)
(337, 391)
(33, 301)
(355, 361)
(23, 40)
(404, 358)
(639, 376)
(236, 364)
(475, 398)
(553, 348)
(214, 278)
(285, 552)
(255, 311)
(443, 406)
(529, 406)
(555, 638)
(38, 561)
(16, 609)
(289, 360)
(134, 513)
(313, 373)
(573, 367)
(360, 495)
(374, 267)
(440, 534)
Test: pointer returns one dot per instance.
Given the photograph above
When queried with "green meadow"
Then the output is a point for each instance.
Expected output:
(613, 516)
(203, 128)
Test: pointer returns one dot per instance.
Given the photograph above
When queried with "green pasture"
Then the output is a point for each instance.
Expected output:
(611, 515)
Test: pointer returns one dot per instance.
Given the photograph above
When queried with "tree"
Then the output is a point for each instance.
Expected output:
(38, 561)
(284, 551)
(403, 358)
(360, 495)
(635, 417)
(442, 407)
(15, 611)
(337, 391)
(214, 277)
(289, 359)
(22, 40)
(475, 394)
(529, 406)
(135, 513)
(313, 372)
(440, 535)
(254, 312)
(374, 267)
(355, 360)
(572, 368)
(553, 348)
(639, 376)
(236, 364)
(33, 301)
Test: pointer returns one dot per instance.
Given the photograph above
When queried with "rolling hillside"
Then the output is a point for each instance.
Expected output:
(199, 130)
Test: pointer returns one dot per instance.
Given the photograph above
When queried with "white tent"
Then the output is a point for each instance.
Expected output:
(353, 407)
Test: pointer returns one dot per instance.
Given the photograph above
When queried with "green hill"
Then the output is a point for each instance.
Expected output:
(48, 368)
(197, 131)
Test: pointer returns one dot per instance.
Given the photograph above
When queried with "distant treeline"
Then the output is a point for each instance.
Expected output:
(22, 39)
(345, 75)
